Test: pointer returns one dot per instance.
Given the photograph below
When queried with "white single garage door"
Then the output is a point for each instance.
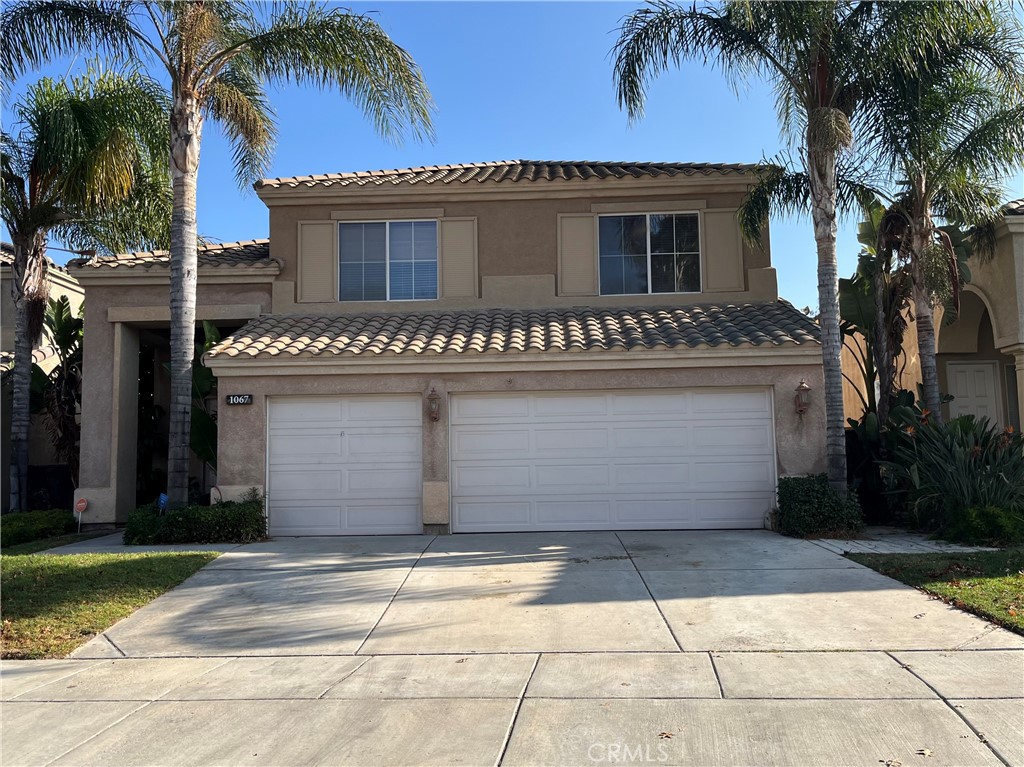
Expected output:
(675, 459)
(344, 465)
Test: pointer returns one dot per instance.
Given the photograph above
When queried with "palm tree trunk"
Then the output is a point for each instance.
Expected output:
(21, 378)
(186, 134)
(925, 321)
(821, 169)
(880, 347)
(29, 289)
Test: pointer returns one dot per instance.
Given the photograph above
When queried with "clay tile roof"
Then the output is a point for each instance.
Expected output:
(495, 331)
(508, 170)
(228, 254)
(1014, 208)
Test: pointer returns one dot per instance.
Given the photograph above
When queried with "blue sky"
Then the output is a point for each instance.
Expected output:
(519, 80)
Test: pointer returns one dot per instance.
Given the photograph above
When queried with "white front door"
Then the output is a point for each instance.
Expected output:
(975, 390)
(698, 458)
(344, 465)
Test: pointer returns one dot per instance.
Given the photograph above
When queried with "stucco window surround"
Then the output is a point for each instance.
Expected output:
(388, 260)
(682, 244)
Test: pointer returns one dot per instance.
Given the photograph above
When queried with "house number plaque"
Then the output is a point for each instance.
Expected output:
(238, 399)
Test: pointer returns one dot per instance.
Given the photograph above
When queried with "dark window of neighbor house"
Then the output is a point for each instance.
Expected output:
(649, 253)
(388, 261)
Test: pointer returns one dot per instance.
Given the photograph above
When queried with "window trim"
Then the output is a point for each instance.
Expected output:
(387, 259)
(647, 214)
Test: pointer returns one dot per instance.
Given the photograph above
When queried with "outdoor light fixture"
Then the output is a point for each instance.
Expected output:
(434, 405)
(802, 398)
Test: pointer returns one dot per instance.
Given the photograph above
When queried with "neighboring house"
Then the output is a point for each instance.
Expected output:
(40, 449)
(980, 355)
(488, 347)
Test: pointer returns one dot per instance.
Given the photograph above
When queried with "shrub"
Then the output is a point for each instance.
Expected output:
(989, 525)
(809, 506)
(948, 470)
(231, 522)
(25, 526)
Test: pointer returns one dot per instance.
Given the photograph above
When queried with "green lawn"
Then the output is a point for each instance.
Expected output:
(987, 583)
(50, 543)
(52, 604)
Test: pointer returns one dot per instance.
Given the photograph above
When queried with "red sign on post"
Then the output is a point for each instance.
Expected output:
(81, 505)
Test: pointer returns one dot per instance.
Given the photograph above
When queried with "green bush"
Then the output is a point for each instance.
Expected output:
(22, 527)
(989, 525)
(809, 506)
(954, 474)
(231, 522)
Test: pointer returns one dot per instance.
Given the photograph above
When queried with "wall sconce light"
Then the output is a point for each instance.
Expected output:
(802, 400)
(434, 405)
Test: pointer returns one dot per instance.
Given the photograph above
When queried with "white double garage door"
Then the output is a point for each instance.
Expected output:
(609, 460)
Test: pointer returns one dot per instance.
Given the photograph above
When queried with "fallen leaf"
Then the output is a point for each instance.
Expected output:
(925, 752)
(919, 615)
(665, 735)
(891, 762)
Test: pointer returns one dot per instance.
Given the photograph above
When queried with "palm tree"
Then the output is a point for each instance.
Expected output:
(57, 394)
(86, 163)
(217, 56)
(949, 134)
(822, 59)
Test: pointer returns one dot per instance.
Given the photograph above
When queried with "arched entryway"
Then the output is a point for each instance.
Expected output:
(980, 378)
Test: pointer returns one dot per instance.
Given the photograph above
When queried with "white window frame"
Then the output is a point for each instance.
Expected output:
(647, 215)
(387, 258)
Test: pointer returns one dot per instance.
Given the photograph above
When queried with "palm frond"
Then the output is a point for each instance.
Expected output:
(325, 47)
(235, 100)
(35, 32)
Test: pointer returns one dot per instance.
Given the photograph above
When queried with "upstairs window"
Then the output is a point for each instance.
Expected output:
(388, 261)
(649, 253)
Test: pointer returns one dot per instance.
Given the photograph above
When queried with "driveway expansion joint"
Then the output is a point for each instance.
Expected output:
(643, 580)
(954, 709)
(515, 713)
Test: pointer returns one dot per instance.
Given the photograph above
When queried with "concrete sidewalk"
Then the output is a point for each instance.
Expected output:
(724, 648)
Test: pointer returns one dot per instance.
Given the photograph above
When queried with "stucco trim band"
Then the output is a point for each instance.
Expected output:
(497, 363)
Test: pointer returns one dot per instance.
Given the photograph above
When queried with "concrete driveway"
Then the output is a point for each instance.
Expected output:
(731, 648)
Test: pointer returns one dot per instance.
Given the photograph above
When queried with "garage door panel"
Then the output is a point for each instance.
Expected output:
(405, 481)
(499, 479)
(344, 465)
(746, 439)
(486, 514)
(555, 514)
(509, 443)
(653, 477)
(285, 484)
(383, 411)
(467, 409)
(318, 410)
(570, 476)
(659, 460)
(730, 404)
(653, 404)
(302, 448)
(561, 407)
(578, 440)
(651, 439)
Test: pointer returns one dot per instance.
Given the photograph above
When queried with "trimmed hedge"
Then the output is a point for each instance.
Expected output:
(808, 506)
(230, 522)
(24, 526)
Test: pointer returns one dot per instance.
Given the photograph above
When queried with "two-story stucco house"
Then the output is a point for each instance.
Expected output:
(488, 347)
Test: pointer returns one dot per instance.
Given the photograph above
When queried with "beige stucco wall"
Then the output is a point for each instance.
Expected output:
(242, 429)
(517, 242)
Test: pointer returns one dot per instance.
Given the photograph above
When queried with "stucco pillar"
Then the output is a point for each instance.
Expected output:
(110, 402)
(436, 507)
(1018, 364)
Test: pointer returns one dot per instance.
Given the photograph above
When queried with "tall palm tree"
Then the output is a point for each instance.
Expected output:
(87, 163)
(217, 56)
(822, 59)
(949, 134)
